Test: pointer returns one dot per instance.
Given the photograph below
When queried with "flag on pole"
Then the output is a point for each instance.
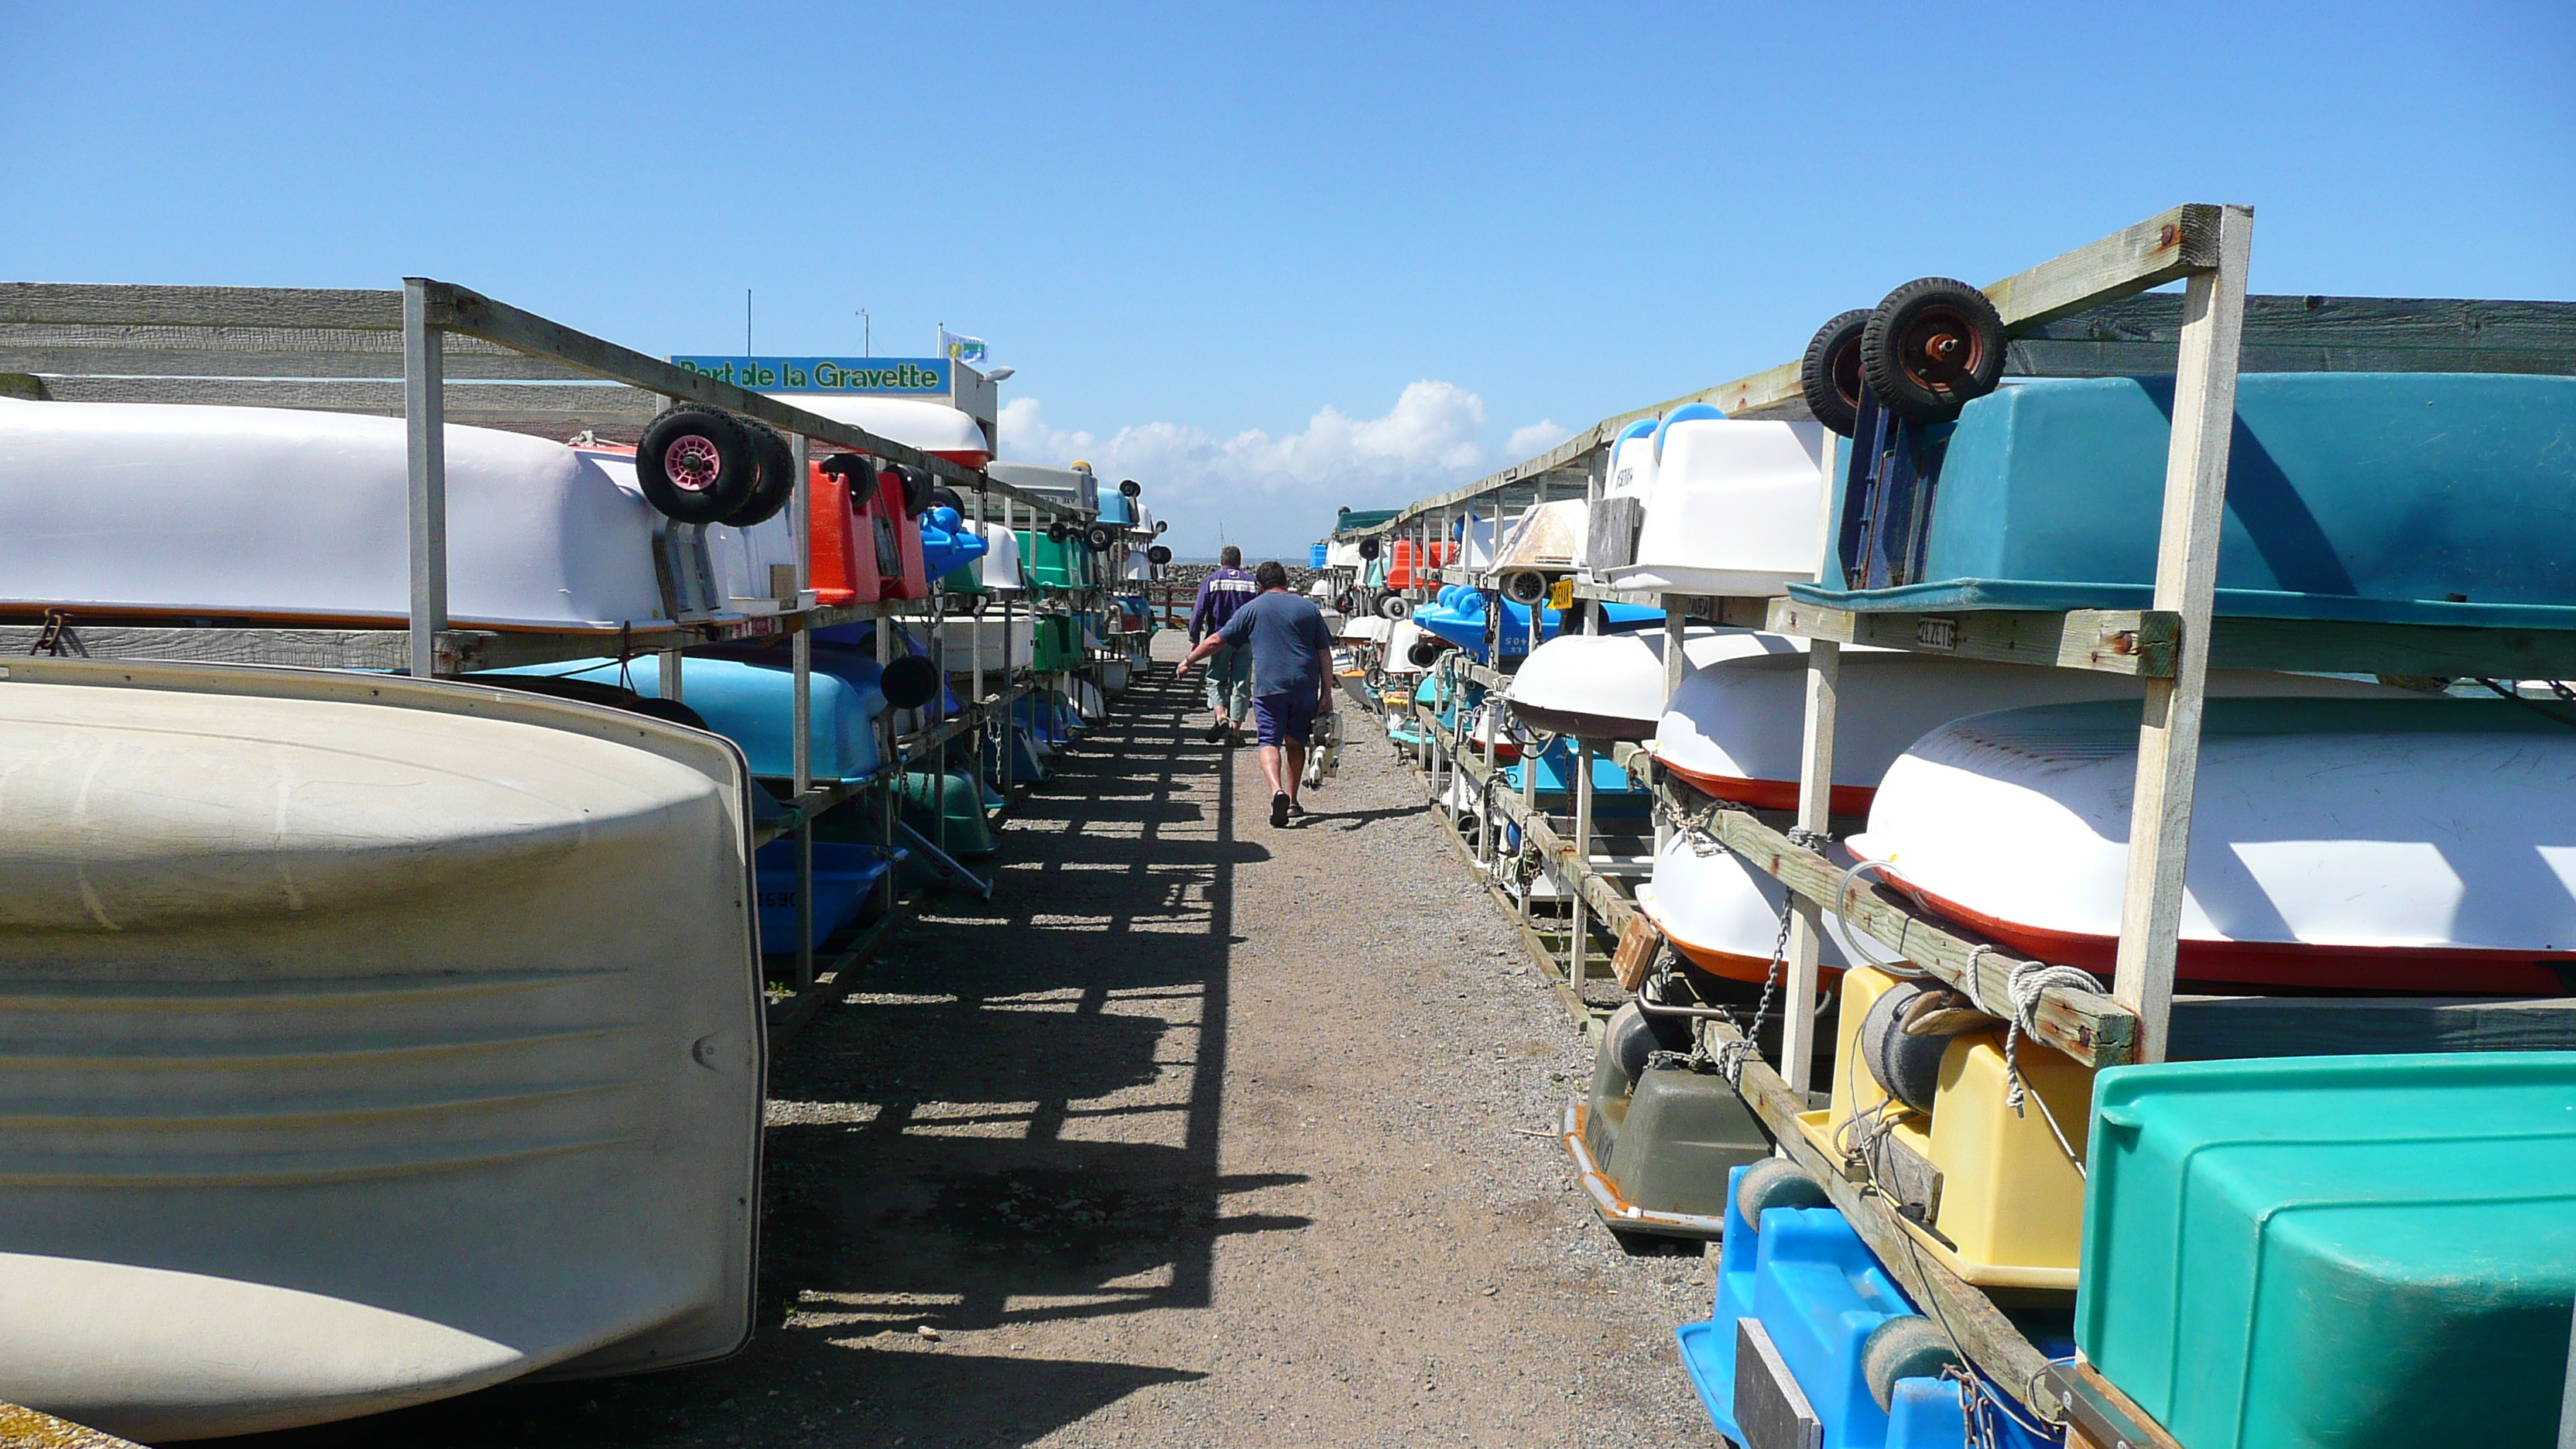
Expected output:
(968, 350)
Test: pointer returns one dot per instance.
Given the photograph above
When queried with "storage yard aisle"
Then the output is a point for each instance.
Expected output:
(1201, 1134)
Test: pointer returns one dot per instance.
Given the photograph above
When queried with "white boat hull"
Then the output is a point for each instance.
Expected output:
(301, 517)
(371, 1041)
(2416, 845)
(1736, 728)
(1611, 686)
(1721, 914)
(1735, 508)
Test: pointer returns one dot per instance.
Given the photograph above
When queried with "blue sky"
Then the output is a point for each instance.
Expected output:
(1276, 260)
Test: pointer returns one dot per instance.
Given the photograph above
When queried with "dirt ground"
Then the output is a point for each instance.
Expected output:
(1200, 1133)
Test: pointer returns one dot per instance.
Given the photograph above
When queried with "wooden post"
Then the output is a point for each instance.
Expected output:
(2204, 416)
(1676, 623)
(893, 767)
(1009, 749)
(1490, 728)
(1582, 856)
(1806, 919)
(425, 428)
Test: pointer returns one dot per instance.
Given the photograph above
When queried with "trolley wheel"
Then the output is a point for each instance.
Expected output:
(857, 472)
(1100, 536)
(777, 482)
(695, 465)
(943, 496)
(1930, 348)
(1395, 606)
(1907, 1066)
(1374, 677)
(917, 485)
(1059, 530)
(1426, 651)
(1829, 374)
(1368, 548)
(909, 682)
(1775, 1182)
(1130, 487)
(1158, 555)
(1524, 586)
(1908, 1346)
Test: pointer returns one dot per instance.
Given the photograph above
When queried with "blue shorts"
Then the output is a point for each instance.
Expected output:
(1285, 717)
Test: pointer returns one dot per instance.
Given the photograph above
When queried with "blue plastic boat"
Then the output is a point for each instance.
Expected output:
(842, 875)
(1817, 1290)
(2425, 498)
(753, 705)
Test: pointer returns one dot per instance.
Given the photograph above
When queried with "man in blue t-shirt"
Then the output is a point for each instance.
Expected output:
(1292, 678)
(1229, 681)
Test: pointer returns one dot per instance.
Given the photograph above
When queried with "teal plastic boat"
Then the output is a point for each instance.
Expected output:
(2426, 498)
(2335, 1252)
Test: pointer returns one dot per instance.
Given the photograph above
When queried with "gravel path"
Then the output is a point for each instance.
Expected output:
(1201, 1134)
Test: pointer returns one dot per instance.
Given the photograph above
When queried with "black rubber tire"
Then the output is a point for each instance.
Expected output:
(1130, 487)
(1374, 679)
(1908, 1346)
(777, 483)
(1059, 530)
(1898, 359)
(1631, 1036)
(909, 682)
(1395, 606)
(1158, 555)
(1525, 586)
(1908, 1067)
(917, 484)
(1100, 536)
(857, 472)
(1162, 526)
(943, 496)
(1829, 375)
(718, 460)
(1775, 1182)
(1368, 548)
(1426, 651)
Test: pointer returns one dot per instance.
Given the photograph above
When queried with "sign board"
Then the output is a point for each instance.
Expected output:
(879, 376)
(1561, 596)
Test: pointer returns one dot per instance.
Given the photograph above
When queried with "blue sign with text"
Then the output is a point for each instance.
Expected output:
(903, 376)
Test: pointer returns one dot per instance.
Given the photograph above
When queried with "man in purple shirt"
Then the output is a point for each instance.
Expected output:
(1229, 681)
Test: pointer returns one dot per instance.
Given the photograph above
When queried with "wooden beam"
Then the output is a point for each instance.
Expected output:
(250, 352)
(2323, 647)
(459, 650)
(117, 305)
(2195, 501)
(2141, 336)
(1992, 1341)
(2099, 1414)
(2113, 641)
(2165, 247)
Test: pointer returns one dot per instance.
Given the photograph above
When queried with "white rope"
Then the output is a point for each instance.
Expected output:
(2025, 985)
(1853, 939)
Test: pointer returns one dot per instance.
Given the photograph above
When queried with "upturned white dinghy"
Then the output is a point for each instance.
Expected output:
(1734, 728)
(1610, 529)
(370, 1041)
(958, 640)
(1722, 915)
(1539, 549)
(1736, 508)
(290, 516)
(1611, 686)
(931, 427)
(1366, 629)
(2424, 845)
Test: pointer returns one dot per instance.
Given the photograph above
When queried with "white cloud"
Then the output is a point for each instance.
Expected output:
(1272, 494)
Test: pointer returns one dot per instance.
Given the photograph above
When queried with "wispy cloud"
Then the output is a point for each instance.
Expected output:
(1269, 493)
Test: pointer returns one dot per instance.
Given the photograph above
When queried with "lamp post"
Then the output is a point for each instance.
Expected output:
(868, 333)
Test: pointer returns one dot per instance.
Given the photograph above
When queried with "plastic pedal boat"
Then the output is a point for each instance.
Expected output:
(1733, 508)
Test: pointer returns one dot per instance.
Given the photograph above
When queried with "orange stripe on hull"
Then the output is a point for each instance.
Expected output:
(1772, 794)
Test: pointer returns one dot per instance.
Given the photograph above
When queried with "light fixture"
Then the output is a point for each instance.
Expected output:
(999, 373)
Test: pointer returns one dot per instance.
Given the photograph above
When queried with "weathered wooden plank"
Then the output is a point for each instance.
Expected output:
(1599, 893)
(118, 305)
(2169, 245)
(2195, 500)
(2114, 641)
(2142, 335)
(1992, 1341)
(2332, 648)
(49, 361)
(2099, 1414)
(559, 405)
(2215, 1028)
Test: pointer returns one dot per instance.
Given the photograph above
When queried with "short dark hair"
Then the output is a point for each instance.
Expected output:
(1270, 575)
(1230, 556)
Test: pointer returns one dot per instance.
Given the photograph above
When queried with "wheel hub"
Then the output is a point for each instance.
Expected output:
(692, 463)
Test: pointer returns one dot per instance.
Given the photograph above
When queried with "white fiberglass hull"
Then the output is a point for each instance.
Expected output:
(959, 638)
(1735, 728)
(1611, 686)
(320, 1102)
(2422, 845)
(1721, 914)
(288, 516)
(1735, 508)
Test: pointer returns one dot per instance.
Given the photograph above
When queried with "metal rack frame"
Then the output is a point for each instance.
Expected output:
(2087, 313)
(434, 352)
